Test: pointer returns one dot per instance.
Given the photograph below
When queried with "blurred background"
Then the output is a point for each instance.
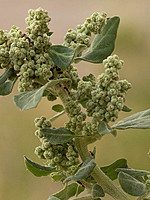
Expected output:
(17, 128)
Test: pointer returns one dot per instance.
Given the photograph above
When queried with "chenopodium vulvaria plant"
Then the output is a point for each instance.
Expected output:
(47, 70)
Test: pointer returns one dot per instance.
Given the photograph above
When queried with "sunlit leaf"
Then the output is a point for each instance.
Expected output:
(103, 44)
(133, 172)
(131, 185)
(140, 120)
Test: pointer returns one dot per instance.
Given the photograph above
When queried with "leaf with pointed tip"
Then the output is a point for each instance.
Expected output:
(28, 100)
(66, 193)
(103, 44)
(83, 102)
(8, 72)
(133, 172)
(50, 33)
(53, 198)
(126, 109)
(84, 171)
(104, 128)
(36, 169)
(58, 108)
(57, 136)
(56, 116)
(61, 55)
(97, 191)
(110, 170)
(7, 87)
(140, 120)
(131, 185)
(79, 49)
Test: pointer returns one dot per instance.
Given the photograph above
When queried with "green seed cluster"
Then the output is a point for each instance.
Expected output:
(28, 53)
(82, 35)
(61, 156)
(109, 95)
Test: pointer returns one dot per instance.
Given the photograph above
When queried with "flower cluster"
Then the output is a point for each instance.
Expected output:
(62, 156)
(82, 35)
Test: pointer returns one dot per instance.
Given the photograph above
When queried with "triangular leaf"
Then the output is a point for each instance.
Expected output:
(126, 109)
(36, 169)
(57, 136)
(8, 72)
(83, 102)
(131, 185)
(6, 87)
(140, 120)
(50, 33)
(97, 191)
(79, 49)
(103, 44)
(133, 172)
(66, 193)
(62, 56)
(58, 108)
(28, 100)
(110, 170)
(104, 128)
(84, 171)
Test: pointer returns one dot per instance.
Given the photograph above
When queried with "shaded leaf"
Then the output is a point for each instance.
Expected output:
(84, 171)
(61, 55)
(80, 189)
(7, 87)
(126, 109)
(8, 72)
(28, 100)
(50, 33)
(36, 169)
(57, 136)
(56, 176)
(58, 108)
(110, 170)
(97, 191)
(83, 102)
(131, 185)
(104, 128)
(133, 172)
(140, 120)
(66, 193)
(103, 44)
(56, 116)
(79, 49)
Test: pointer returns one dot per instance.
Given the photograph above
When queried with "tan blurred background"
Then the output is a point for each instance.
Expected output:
(17, 128)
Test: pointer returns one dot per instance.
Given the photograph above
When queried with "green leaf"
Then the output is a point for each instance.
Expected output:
(62, 56)
(126, 109)
(97, 191)
(131, 185)
(84, 171)
(104, 128)
(80, 189)
(79, 49)
(28, 100)
(8, 72)
(110, 170)
(140, 120)
(53, 198)
(66, 193)
(133, 172)
(58, 108)
(103, 44)
(57, 136)
(36, 169)
(56, 176)
(50, 33)
(83, 102)
(6, 87)
(56, 116)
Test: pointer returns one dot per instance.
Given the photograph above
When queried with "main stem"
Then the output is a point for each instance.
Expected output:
(107, 184)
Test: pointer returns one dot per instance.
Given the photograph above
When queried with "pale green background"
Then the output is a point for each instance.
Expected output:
(17, 128)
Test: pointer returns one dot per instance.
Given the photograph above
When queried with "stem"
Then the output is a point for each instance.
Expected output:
(107, 184)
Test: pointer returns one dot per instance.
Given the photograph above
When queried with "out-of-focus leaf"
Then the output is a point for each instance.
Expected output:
(58, 108)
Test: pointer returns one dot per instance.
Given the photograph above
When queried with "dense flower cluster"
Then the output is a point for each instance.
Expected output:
(107, 96)
(28, 53)
(82, 35)
(63, 157)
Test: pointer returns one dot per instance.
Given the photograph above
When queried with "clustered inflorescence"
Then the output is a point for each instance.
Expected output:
(28, 55)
